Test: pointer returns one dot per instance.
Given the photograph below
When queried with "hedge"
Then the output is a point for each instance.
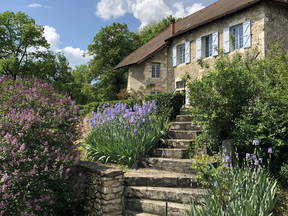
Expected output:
(166, 102)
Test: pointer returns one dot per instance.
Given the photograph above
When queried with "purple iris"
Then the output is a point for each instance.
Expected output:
(226, 158)
(270, 150)
(247, 155)
(254, 157)
(215, 183)
(256, 142)
(256, 162)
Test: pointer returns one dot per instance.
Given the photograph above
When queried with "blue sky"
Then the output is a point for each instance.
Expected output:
(70, 25)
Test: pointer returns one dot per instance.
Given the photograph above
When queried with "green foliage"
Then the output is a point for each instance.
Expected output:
(124, 136)
(38, 128)
(282, 202)
(239, 191)
(167, 103)
(110, 45)
(284, 175)
(18, 33)
(152, 30)
(222, 95)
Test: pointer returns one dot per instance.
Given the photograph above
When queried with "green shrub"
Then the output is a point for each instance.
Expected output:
(123, 135)
(38, 128)
(239, 191)
(221, 96)
(167, 103)
(284, 175)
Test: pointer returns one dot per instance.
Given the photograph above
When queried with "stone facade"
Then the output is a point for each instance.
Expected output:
(140, 76)
(102, 188)
(269, 23)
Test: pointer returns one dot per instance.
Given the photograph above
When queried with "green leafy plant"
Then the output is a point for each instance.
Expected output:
(123, 135)
(239, 191)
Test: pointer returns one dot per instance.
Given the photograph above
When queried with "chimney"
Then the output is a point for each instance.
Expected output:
(172, 28)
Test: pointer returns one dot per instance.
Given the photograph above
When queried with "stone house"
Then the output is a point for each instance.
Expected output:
(228, 25)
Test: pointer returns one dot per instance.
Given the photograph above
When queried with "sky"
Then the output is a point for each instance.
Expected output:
(70, 25)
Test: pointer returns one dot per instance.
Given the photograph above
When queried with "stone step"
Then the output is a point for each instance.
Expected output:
(178, 195)
(177, 143)
(184, 118)
(170, 153)
(184, 126)
(159, 178)
(169, 164)
(157, 207)
(132, 213)
(181, 134)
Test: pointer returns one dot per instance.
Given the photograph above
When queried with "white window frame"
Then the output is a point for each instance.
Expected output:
(181, 54)
(236, 37)
(207, 52)
(156, 69)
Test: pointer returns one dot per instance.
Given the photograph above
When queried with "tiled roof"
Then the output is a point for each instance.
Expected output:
(211, 13)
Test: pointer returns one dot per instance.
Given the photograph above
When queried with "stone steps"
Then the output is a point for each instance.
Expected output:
(177, 143)
(169, 164)
(182, 134)
(183, 126)
(157, 207)
(178, 153)
(184, 118)
(177, 195)
(159, 178)
(167, 177)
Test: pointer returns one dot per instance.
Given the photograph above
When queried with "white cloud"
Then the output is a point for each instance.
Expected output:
(36, 5)
(52, 36)
(75, 56)
(146, 11)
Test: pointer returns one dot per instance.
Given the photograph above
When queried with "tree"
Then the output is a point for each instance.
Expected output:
(20, 40)
(152, 30)
(109, 47)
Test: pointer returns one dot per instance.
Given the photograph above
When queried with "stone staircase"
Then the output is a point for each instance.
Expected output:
(166, 184)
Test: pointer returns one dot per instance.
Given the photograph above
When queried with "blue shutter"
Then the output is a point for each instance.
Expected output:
(187, 52)
(174, 56)
(198, 48)
(247, 34)
(215, 44)
(226, 37)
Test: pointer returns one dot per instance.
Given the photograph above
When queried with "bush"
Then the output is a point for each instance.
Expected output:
(123, 135)
(221, 96)
(237, 191)
(38, 127)
(168, 103)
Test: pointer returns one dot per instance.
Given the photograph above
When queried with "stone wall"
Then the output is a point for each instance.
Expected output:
(255, 14)
(276, 26)
(101, 187)
(140, 76)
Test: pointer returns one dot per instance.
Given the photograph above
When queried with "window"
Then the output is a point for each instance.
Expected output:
(155, 92)
(155, 70)
(179, 85)
(236, 36)
(207, 46)
(181, 54)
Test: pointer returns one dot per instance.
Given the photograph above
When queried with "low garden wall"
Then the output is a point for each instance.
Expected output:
(101, 188)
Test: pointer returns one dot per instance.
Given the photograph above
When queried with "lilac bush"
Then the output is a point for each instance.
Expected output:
(38, 127)
(123, 135)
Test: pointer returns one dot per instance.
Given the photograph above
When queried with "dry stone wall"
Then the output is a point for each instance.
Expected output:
(102, 188)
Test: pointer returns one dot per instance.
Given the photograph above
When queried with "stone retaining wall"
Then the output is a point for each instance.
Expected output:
(102, 188)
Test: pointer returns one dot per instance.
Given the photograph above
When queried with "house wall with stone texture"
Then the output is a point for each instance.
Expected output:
(256, 14)
(269, 23)
(276, 26)
(140, 76)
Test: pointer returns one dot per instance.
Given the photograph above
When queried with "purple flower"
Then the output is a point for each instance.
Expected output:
(256, 142)
(256, 162)
(215, 183)
(4, 178)
(270, 150)
(226, 158)
(254, 157)
(247, 156)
